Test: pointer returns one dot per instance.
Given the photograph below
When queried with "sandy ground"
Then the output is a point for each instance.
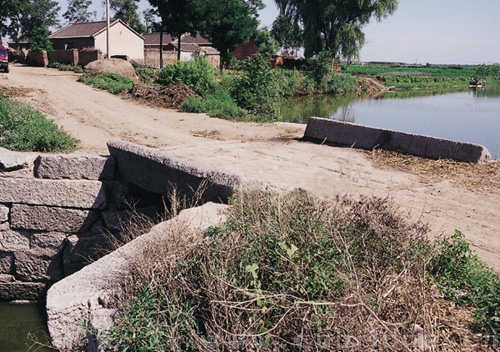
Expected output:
(271, 153)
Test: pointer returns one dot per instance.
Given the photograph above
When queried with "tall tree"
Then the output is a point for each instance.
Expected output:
(126, 10)
(10, 15)
(78, 11)
(334, 25)
(234, 22)
(287, 32)
(179, 17)
(38, 14)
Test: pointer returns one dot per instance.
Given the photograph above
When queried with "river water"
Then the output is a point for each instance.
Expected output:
(462, 114)
(23, 328)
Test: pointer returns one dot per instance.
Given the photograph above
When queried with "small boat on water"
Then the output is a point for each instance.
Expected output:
(474, 83)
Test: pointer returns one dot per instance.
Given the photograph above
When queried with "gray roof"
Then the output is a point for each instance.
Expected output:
(86, 29)
(154, 38)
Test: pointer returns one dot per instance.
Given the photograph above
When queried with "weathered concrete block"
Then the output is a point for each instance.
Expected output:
(363, 137)
(100, 321)
(10, 160)
(6, 263)
(40, 218)
(62, 193)
(12, 241)
(22, 290)
(75, 166)
(32, 265)
(166, 172)
(4, 213)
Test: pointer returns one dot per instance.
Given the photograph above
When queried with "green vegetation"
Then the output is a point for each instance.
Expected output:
(288, 272)
(24, 129)
(111, 82)
(465, 279)
(67, 67)
(403, 76)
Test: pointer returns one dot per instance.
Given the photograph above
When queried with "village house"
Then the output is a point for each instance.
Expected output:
(123, 40)
(190, 45)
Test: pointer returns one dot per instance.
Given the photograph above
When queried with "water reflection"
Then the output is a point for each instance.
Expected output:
(460, 114)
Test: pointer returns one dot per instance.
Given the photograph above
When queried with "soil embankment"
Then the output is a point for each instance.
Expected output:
(268, 152)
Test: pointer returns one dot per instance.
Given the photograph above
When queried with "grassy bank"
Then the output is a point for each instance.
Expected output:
(428, 76)
(22, 128)
(293, 272)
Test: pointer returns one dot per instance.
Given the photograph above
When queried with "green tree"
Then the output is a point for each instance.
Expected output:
(234, 22)
(334, 26)
(287, 33)
(126, 10)
(10, 14)
(78, 11)
(38, 14)
(39, 40)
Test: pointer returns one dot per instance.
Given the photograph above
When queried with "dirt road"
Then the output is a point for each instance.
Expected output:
(267, 152)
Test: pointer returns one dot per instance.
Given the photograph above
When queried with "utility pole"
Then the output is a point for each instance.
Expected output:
(107, 30)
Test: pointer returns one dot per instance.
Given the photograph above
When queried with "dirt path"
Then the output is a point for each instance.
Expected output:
(268, 152)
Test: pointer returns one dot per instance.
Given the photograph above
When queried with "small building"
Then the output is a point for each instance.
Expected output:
(123, 40)
(189, 46)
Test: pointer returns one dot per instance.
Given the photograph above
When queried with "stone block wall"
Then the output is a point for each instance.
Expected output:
(56, 214)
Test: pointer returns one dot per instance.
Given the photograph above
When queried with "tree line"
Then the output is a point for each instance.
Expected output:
(332, 28)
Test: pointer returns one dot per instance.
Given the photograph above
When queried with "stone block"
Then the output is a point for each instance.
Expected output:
(364, 137)
(75, 166)
(53, 241)
(6, 263)
(5, 278)
(17, 290)
(4, 213)
(10, 160)
(40, 218)
(12, 241)
(60, 193)
(35, 265)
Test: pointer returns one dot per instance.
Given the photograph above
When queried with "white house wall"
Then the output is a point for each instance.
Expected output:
(122, 42)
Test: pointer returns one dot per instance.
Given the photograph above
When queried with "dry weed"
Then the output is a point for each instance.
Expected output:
(293, 273)
(484, 178)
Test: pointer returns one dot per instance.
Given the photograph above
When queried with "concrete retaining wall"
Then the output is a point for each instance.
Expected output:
(363, 137)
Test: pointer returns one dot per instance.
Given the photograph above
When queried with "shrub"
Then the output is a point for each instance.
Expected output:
(111, 82)
(464, 278)
(147, 75)
(22, 128)
(283, 271)
(256, 90)
(216, 104)
(198, 74)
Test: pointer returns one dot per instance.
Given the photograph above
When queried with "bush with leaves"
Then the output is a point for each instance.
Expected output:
(40, 40)
(198, 74)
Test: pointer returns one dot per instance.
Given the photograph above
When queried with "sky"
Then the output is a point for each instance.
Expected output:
(419, 32)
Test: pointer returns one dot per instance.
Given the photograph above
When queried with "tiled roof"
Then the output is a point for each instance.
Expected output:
(154, 38)
(86, 29)
(197, 39)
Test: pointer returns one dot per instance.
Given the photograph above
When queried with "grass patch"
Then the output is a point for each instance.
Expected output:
(67, 67)
(111, 82)
(22, 128)
(293, 272)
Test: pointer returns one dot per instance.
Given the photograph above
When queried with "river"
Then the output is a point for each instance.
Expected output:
(461, 114)
(23, 328)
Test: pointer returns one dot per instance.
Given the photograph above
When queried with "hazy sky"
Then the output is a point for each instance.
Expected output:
(420, 31)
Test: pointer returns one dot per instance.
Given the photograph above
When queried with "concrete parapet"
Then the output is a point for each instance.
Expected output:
(166, 172)
(71, 301)
(363, 137)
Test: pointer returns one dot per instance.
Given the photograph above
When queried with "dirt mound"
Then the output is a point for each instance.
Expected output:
(118, 66)
(170, 97)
